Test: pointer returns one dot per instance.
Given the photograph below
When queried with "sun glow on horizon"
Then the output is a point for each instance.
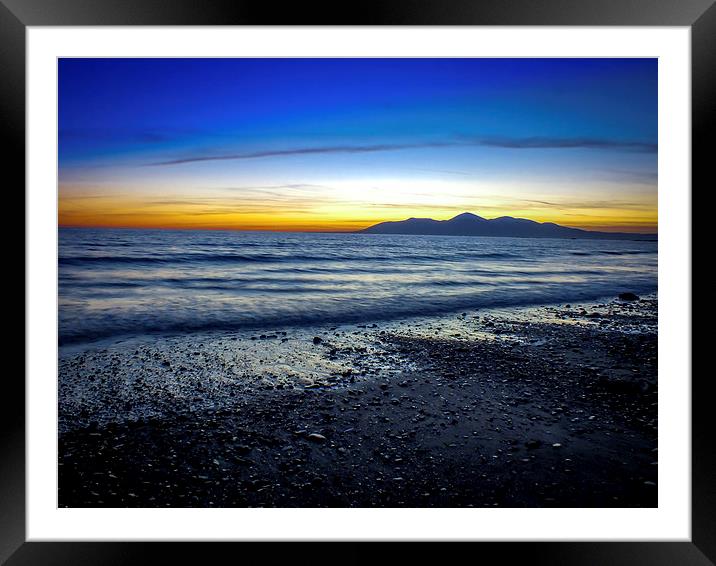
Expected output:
(349, 209)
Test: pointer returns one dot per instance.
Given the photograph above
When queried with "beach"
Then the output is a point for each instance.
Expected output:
(357, 282)
(551, 405)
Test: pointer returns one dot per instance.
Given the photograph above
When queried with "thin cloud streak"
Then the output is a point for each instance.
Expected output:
(593, 204)
(305, 151)
(568, 143)
(504, 143)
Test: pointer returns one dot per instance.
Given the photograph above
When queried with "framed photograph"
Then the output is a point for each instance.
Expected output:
(419, 273)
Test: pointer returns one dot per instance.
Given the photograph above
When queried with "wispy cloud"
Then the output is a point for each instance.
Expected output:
(304, 151)
(498, 142)
(576, 204)
(567, 143)
(296, 186)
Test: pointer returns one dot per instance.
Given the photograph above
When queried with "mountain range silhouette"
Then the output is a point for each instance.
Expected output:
(468, 224)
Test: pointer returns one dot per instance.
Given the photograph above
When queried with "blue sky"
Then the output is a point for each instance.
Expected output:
(340, 143)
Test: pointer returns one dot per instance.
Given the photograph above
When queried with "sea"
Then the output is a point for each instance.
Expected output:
(124, 282)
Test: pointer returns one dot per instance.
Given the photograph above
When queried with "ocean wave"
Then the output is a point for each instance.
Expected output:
(141, 282)
(348, 311)
(170, 259)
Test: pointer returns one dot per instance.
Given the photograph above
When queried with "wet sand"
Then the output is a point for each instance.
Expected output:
(551, 406)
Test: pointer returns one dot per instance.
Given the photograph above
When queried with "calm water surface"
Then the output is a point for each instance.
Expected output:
(128, 282)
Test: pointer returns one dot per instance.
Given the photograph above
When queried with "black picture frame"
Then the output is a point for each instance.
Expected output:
(16, 15)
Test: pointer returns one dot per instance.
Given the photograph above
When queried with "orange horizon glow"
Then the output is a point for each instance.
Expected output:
(348, 221)
(348, 206)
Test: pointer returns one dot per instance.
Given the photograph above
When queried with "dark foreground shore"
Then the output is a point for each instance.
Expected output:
(540, 407)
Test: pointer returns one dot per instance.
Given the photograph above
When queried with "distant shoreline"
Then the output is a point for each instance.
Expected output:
(618, 236)
(638, 236)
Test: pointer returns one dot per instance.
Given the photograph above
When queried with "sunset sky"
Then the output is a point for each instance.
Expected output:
(341, 144)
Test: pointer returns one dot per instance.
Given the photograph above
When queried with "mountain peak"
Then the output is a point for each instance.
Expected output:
(467, 216)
